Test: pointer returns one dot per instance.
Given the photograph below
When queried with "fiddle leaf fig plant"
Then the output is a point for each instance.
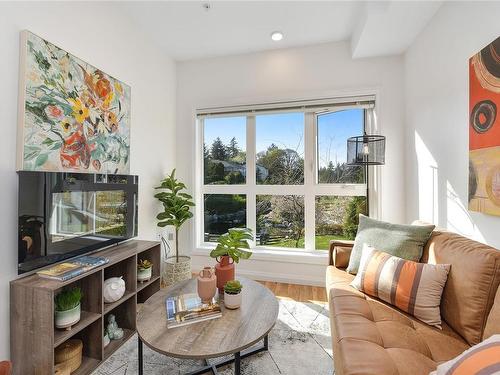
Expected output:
(234, 243)
(176, 206)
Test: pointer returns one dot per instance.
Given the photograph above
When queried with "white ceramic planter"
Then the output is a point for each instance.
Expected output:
(144, 274)
(68, 318)
(232, 301)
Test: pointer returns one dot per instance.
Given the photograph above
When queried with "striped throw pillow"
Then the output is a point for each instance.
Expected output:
(415, 288)
(481, 359)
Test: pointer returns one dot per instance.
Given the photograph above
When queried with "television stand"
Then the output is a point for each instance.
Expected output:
(33, 336)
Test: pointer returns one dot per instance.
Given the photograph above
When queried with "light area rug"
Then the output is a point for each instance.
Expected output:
(299, 343)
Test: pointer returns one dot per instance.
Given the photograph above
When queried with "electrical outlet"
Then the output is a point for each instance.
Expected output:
(170, 236)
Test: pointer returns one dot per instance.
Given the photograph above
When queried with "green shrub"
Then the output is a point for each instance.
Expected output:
(68, 299)
(233, 287)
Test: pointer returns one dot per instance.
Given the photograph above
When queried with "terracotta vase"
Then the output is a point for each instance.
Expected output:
(224, 270)
(207, 284)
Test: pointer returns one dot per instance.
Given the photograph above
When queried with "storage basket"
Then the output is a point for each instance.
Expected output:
(69, 354)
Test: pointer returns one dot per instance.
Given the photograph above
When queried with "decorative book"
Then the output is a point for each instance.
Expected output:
(188, 309)
(68, 270)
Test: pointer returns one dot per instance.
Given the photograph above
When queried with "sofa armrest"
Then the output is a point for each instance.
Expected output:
(340, 252)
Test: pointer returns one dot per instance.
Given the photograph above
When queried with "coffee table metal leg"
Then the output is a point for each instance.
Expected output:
(238, 356)
(237, 363)
(140, 359)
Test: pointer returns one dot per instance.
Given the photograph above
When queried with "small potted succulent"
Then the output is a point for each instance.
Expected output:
(144, 270)
(232, 294)
(67, 308)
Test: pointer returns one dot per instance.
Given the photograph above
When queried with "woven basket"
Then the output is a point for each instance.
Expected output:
(69, 354)
(62, 369)
(174, 272)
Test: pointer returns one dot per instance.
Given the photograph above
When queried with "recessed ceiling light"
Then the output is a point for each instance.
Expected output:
(276, 36)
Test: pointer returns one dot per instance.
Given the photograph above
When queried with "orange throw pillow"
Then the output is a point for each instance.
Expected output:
(413, 287)
(483, 359)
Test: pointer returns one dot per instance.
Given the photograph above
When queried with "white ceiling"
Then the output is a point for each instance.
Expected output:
(186, 30)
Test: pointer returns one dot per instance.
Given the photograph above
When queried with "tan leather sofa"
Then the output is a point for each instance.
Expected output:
(372, 337)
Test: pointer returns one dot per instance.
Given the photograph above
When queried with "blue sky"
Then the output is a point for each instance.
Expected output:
(287, 130)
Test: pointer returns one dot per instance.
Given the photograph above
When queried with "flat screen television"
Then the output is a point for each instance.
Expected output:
(62, 215)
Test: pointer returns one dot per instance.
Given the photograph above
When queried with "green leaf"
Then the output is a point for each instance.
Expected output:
(41, 159)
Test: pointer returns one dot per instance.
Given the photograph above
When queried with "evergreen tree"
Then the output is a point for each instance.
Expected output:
(232, 149)
(218, 150)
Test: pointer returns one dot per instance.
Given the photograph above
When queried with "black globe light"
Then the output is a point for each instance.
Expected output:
(366, 150)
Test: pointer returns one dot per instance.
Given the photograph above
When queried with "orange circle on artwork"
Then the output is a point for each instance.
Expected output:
(493, 185)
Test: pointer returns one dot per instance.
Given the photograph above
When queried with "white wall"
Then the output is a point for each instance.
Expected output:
(99, 35)
(324, 70)
(436, 92)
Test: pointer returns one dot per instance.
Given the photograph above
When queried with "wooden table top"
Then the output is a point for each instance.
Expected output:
(234, 331)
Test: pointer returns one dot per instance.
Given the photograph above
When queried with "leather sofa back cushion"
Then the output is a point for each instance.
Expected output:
(415, 288)
(403, 241)
(481, 359)
(493, 322)
(472, 282)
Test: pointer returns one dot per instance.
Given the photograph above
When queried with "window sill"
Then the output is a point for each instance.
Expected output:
(318, 257)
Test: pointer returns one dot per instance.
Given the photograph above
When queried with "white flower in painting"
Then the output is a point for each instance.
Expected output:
(93, 114)
(101, 128)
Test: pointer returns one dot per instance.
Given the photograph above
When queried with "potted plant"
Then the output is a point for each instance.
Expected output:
(144, 270)
(232, 294)
(67, 308)
(176, 211)
(232, 246)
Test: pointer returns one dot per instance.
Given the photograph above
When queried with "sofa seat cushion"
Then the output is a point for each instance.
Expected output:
(372, 337)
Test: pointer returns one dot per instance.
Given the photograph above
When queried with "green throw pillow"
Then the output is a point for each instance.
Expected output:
(403, 241)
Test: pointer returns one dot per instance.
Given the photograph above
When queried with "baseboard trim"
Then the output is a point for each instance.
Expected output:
(277, 277)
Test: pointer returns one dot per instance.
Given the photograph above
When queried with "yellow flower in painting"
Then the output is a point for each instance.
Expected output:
(80, 111)
(108, 99)
(118, 87)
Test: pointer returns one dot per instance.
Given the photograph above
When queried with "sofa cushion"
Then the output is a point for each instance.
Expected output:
(415, 288)
(404, 241)
(493, 323)
(481, 359)
(372, 337)
(472, 282)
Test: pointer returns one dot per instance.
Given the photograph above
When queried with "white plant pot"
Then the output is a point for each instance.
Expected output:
(232, 301)
(144, 274)
(67, 318)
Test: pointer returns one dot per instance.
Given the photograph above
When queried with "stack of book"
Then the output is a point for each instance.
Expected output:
(188, 308)
(68, 270)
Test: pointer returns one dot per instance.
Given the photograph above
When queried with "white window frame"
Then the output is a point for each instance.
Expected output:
(309, 190)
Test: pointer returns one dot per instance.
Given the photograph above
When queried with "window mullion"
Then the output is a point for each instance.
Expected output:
(309, 182)
(251, 177)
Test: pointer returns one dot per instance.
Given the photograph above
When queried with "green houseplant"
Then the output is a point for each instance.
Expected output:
(68, 307)
(176, 211)
(144, 270)
(232, 294)
(232, 246)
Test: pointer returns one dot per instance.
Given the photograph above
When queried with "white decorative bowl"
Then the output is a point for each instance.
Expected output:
(114, 289)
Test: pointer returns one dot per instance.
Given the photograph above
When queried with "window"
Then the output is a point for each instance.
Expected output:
(282, 173)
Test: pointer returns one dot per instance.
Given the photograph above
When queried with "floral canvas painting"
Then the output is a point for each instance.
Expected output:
(73, 116)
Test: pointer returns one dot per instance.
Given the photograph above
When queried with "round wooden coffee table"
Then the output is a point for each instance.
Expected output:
(231, 334)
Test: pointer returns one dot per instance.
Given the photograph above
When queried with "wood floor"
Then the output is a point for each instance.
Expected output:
(296, 292)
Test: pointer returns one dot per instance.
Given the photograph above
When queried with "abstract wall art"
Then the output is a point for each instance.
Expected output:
(484, 130)
(73, 117)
